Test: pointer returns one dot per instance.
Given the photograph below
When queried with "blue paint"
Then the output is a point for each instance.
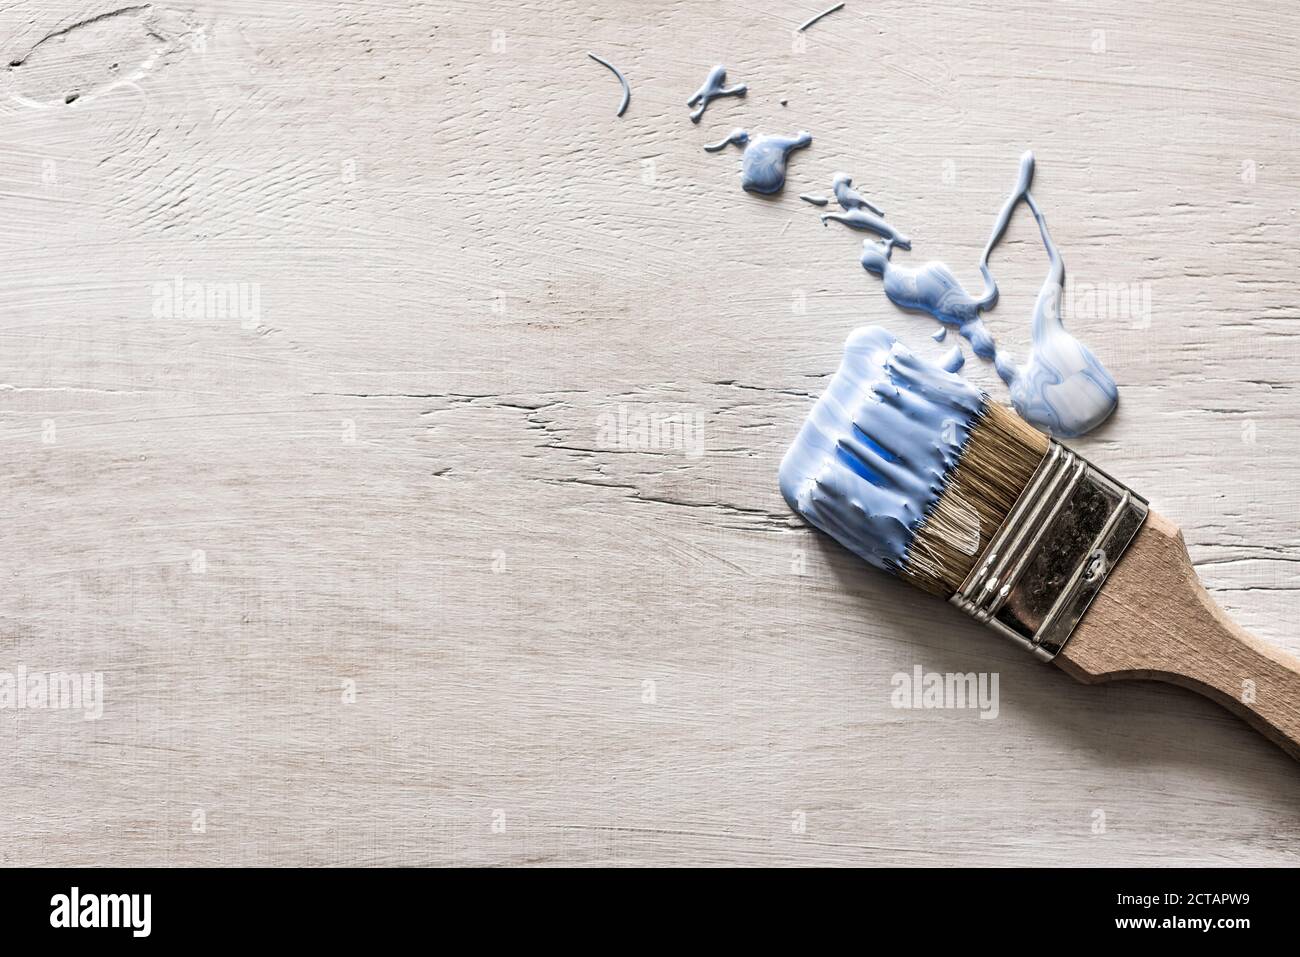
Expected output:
(953, 360)
(848, 197)
(815, 199)
(762, 166)
(933, 289)
(627, 90)
(860, 213)
(737, 136)
(1063, 388)
(870, 462)
(714, 87)
(864, 219)
(764, 162)
(939, 334)
(825, 13)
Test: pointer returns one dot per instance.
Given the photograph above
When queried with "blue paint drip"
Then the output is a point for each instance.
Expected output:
(933, 289)
(869, 463)
(860, 213)
(763, 164)
(848, 197)
(714, 87)
(1063, 389)
(737, 136)
(825, 13)
(622, 80)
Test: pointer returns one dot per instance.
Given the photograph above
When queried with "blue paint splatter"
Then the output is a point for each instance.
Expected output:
(712, 89)
(763, 164)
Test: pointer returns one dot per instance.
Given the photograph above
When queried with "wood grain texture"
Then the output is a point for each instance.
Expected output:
(1154, 621)
(400, 472)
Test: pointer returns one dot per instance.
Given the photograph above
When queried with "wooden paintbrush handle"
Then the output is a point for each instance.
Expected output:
(1153, 619)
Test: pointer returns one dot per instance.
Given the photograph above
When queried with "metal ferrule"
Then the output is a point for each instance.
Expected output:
(1051, 556)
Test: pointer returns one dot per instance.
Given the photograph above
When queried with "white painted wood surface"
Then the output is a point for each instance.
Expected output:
(395, 473)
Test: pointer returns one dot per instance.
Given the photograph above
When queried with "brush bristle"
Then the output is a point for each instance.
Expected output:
(996, 464)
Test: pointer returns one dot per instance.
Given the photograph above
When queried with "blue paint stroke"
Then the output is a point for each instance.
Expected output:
(627, 90)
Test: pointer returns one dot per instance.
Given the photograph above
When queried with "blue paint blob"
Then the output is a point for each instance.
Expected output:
(1063, 388)
(848, 197)
(939, 334)
(763, 164)
(860, 213)
(870, 462)
(933, 289)
(714, 87)
(953, 360)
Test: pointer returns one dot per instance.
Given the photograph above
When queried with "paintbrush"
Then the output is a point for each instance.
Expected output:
(922, 475)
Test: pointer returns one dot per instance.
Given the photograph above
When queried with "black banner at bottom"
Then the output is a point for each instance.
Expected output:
(342, 906)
